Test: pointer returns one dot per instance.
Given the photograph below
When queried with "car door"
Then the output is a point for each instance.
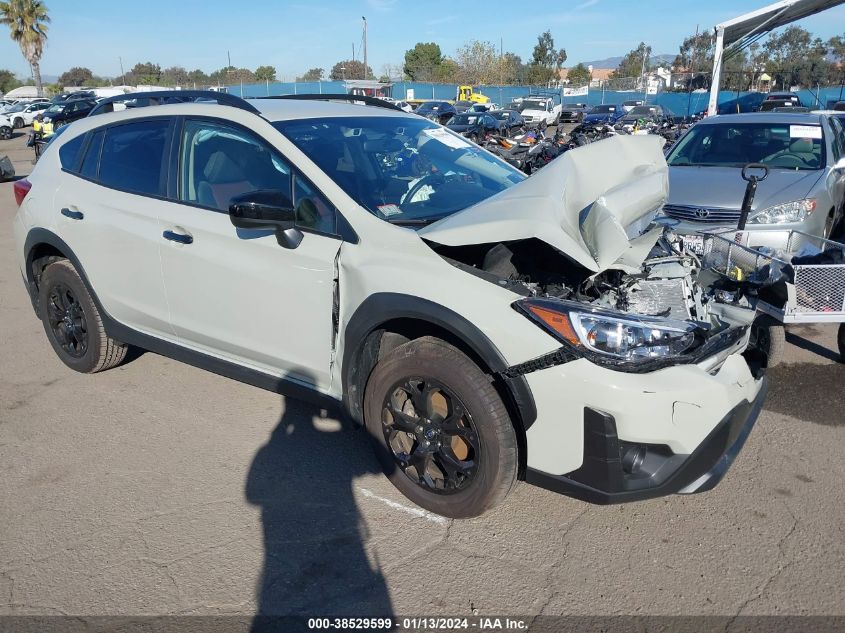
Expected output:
(107, 202)
(836, 177)
(235, 293)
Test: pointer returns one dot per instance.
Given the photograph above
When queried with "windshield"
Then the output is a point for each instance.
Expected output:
(644, 111)
(531, 104)
(778, 145)
(403, 170)
(18, 107)
(603, 109)
(464, 119)
(432, 105)
(54, 109)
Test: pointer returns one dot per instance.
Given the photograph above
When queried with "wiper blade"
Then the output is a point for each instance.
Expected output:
(413, 221)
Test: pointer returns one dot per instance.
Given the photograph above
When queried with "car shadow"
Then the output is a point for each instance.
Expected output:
(315, 560)
(811, 346)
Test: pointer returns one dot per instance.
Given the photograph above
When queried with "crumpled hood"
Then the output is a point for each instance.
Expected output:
(592, 204)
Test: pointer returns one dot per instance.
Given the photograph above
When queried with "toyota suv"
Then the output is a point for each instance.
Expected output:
(485, 327)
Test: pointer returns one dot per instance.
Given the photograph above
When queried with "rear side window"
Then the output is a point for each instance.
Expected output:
(69, 153)
(92, 156)
(133, 156)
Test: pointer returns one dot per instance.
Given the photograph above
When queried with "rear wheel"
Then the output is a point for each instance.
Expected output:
(72, 321)
(440, 429)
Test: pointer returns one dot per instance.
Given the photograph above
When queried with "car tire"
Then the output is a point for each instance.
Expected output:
(769, 338)
(72, 321)
(17, 123)
(5, 132)
(841, 341)
(476, 467)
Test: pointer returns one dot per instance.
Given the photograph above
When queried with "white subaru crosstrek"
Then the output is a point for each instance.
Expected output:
(484, 326)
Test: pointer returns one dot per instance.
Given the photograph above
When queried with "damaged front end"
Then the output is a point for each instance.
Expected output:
(593, 268)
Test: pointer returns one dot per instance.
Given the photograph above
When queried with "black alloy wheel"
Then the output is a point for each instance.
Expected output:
(431, 435)
(67, 320)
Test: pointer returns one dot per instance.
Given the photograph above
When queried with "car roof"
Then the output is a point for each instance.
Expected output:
(764, 117)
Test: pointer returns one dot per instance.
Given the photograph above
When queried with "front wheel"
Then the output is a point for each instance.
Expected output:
(770, 339)
(18, 123)
(5, 132)
(440, 429)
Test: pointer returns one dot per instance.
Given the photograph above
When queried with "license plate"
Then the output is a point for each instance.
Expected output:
(693, 244)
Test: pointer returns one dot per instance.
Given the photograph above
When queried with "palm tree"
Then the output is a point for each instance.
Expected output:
(27, 21)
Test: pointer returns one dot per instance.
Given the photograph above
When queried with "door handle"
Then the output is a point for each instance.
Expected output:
(181, 238)
(73, 215)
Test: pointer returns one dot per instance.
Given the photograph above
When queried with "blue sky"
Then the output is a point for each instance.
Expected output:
(295, 36)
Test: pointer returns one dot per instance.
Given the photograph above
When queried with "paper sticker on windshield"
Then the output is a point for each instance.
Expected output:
(388, 210)
(805, 131)
(447, 139)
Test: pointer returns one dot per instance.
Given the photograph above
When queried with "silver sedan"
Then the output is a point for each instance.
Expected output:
(804, 191)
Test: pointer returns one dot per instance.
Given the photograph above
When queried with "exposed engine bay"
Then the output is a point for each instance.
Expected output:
(671, 284)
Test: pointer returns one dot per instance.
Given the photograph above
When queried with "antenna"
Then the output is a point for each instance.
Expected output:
(365, 46)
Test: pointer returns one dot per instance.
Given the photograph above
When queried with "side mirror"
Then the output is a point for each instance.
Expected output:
(267, 209)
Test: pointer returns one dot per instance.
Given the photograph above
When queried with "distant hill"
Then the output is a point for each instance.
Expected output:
(613, 62)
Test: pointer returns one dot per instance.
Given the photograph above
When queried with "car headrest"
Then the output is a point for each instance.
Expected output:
(801, 146)
(220, 169)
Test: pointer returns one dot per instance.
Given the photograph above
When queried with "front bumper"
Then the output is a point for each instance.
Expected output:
(606, 478)
(774, 236)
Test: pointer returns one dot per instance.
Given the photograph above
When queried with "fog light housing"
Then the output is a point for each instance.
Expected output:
(632, 458)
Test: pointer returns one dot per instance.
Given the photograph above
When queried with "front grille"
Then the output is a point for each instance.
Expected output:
(711, 215)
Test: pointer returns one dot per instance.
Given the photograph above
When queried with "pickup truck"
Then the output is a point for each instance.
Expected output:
(540, 111)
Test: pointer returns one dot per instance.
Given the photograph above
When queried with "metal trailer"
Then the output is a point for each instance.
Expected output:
(817, 292)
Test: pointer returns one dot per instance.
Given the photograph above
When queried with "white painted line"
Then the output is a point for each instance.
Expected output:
(417, 512)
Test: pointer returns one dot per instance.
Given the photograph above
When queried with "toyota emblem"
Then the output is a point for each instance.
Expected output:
(702, 213)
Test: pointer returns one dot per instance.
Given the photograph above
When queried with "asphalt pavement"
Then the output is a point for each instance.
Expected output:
(158, 488)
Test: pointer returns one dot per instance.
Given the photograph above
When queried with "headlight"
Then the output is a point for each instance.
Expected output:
(605, 334)
(787, 212)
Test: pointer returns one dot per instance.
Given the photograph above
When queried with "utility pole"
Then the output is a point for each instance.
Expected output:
(365, 46)
(122, 75)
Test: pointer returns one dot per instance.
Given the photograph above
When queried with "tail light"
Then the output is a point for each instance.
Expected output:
(21, 188)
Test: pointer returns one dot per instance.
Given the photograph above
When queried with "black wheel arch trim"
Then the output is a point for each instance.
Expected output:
(381, 308)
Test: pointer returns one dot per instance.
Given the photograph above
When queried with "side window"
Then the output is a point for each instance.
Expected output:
(69, 153)
(92, 156)
(133, 156)
(837, 141)
(219, 162)
(313, 211)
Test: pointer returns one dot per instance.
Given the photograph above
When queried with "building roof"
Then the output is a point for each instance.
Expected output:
(599, 74)
(24, 92)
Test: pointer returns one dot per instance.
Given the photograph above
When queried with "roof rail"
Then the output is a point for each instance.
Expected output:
(162, 97)
(371, 101)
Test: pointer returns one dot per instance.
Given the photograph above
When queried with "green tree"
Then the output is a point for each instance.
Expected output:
(695, 63)
(423, 61)
(796, 59)
(175, 76)
(579, 75)
(27, 21)
(265, 73)
(76, 76)
(313, 74)
(146, 74)
(546, 60)
(478, 63)
(634, 63)
(8, 81)
(511, 69)
(349, 69)
(198, 77)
